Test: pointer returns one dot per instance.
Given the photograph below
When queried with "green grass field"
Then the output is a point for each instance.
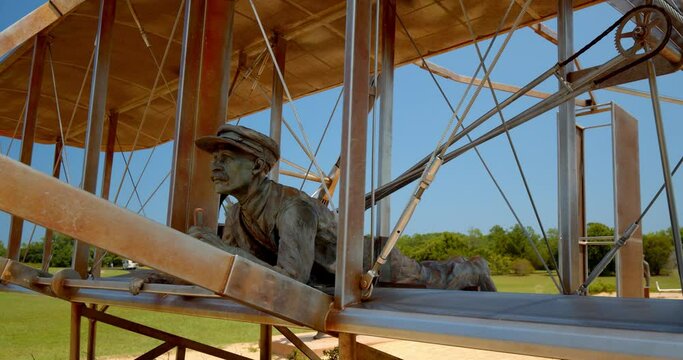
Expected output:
(37, 327)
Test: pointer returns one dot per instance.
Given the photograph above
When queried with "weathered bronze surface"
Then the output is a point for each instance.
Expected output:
(294, 234)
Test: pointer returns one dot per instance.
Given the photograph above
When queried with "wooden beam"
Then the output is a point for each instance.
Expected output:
(629, 261)
(202, 107)
(142, 100)
(96, 114)
(186, 110)
(158, 334)
(106, 180)
(448, 74)
(82, 215)
(353, 155)
(35, 22)
(280, 48)
(29, 131)
(56, 170)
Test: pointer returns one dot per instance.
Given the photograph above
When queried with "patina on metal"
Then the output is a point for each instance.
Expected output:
(294, 234)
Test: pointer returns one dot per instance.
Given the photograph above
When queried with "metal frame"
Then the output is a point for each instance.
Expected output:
(568, 210)
(204, 84)
(280, 48)
(29, 131)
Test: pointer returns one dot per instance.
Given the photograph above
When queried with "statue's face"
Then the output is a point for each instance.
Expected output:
(232, 172)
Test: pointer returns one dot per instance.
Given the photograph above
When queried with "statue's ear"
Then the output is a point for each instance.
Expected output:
(259, 166)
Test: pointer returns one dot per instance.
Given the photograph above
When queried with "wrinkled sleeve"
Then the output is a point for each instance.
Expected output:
(231, 226)
(297, 227)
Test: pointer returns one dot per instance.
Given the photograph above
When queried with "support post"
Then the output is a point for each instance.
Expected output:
(568, 202)
(91, 160)
(280, 48)
(75, 338)
(386, 108)
(202, 107)
(629, 260)
(354, 143)
(668, 184)
(581, 189)
(347, 346)
(28, 133)
(96, 115)
(56, 171)
(106, 178)
(92, 336)
(265, 343)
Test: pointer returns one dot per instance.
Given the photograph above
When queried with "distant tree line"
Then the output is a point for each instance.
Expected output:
(509, 251)
(62, 252)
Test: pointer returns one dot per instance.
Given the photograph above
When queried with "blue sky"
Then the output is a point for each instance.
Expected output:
(462, 197)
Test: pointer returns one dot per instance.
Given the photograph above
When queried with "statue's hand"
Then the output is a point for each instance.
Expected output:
(142, 277)
(206, 235)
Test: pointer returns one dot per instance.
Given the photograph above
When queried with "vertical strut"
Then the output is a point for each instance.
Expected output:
(568, 201)
(47, 244)
(91, 159)
(353, 156)
(668, 185)
(29, 131)
(106, 182)
(280, 45)
(386, 107)
(96, 115)
(202, 106)
(266, 342)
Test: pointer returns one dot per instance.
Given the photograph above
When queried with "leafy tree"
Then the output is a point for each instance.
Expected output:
(657, 248)
(62, 250)
(553, 239)
(521, 267)
(32, 253)
(3, 250)
(597, 252)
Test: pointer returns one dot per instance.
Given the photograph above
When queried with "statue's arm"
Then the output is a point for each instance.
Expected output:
(297, 227)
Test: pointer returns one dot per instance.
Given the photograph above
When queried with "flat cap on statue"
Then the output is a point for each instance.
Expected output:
(242, 139)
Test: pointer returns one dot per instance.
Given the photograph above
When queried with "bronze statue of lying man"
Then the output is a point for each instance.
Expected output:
(294, 234)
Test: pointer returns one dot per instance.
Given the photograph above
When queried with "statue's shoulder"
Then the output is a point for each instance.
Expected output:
(291, 196)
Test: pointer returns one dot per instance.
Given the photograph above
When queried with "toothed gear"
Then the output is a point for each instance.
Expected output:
(644, 20)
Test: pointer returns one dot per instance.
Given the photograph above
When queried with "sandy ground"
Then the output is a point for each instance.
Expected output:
(401, 349)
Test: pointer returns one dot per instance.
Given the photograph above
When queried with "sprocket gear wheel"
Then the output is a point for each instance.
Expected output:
(635, 37)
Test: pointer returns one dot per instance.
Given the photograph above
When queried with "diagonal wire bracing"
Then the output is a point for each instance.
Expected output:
(126, 171)
(322, 137)
(311, 157)
(159, 75)
(149, 158)
(514, 151)
(62, 151)
(306, 145)
(98, 260)
(16, 128)
(454, 111)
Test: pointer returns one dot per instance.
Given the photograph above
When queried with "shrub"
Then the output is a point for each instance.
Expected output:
(499, 264)
(657, 248)
(600, 286)
(296, 355)
(331, 354)
(521, 267)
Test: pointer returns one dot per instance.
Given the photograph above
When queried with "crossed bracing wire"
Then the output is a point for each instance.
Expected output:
(305, 145)
(482, 66)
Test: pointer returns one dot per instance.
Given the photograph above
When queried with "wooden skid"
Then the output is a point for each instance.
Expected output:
(44, 200)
